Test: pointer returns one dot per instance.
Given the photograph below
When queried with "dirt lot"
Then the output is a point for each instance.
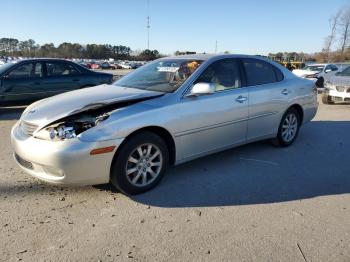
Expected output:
(253, 203)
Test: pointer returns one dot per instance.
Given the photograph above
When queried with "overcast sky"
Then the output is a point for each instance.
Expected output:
(249, 26)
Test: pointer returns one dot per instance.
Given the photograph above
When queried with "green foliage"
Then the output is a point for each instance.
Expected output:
(28, 48)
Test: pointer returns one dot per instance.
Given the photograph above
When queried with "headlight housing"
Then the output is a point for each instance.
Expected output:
(328, 85)
(69, 128)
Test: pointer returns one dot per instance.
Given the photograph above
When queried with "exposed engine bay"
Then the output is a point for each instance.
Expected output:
(83, 119)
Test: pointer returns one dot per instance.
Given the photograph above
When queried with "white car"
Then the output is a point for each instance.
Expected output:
(319, 73)
(337, 88)
(125, 66)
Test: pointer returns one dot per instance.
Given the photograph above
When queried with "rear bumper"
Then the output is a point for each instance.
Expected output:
(63, 162)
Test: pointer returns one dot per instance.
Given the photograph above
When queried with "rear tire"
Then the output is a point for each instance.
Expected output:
(288, 129)
(140, 163)
(320, 82)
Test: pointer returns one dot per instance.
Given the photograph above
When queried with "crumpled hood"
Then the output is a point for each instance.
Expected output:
(48, 110)
(301, 72)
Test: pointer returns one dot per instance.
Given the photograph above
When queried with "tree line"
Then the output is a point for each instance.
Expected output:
(29, 48)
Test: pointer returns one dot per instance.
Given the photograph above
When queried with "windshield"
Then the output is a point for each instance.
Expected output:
(165, 75)
(345, 72)
(315, 68)
(3, 68)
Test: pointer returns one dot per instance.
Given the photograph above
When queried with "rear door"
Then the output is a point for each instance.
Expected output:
(268, 96)
(24, 82)
(61, 76)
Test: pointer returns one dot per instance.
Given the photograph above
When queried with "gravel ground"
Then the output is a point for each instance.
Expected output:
(253, 203)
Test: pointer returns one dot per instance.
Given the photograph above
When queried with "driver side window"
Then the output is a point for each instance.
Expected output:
(224, 74)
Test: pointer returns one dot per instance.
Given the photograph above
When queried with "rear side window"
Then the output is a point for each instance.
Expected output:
(60, 69)
(259, 72)
(279, 74)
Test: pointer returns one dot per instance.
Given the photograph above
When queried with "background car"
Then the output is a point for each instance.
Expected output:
(34, 79)
(125, 66)
(95, 65)
(106, 65)
(337, 88)
(317, 72)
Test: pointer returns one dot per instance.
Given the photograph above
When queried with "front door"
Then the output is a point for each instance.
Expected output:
(215, 121)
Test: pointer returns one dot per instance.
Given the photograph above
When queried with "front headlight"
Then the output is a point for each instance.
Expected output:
(69, 129)
(328, 85)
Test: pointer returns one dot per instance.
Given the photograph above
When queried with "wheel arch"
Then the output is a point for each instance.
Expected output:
(300, 110)
(160, 131)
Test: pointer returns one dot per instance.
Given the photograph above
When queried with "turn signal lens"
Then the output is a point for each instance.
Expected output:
(102, 150)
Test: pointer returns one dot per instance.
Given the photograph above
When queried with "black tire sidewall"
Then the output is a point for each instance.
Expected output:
(118, 174)
(279, 136)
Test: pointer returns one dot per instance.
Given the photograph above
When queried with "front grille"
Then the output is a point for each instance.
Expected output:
(340, 88)
(28, 128)
(337, 99)
(23, 162)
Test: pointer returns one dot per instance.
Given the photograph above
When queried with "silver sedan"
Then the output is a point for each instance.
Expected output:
(167, 112)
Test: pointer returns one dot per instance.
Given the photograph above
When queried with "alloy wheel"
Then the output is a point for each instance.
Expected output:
(289, 127)
(144, 164)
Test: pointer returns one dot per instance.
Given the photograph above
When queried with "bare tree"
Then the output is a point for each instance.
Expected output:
(344, 29)
(333, 23)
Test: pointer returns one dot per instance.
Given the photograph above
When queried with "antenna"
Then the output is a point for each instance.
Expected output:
(216, 46)
(148, 25)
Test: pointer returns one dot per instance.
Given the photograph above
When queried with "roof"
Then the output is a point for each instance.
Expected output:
(41, 59)
(208, 56)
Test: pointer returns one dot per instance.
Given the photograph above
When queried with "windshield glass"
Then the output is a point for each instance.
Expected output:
(165, 75)
(345, 72)
(4, 67)
(316, 68)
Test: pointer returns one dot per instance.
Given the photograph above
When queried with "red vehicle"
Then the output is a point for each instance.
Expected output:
(95, 66)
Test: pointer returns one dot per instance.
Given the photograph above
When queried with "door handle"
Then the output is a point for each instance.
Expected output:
(76, 80)
(36, 83)
(241, 99)
(285, 92)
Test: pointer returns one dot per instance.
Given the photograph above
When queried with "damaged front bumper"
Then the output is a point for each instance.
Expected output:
(63, 162)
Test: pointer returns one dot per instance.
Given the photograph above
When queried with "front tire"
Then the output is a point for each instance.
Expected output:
(288, 129)
(140, 163)
(327, 99)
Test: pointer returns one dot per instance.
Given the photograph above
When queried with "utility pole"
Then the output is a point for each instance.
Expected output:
(216, 46)
(148, 25)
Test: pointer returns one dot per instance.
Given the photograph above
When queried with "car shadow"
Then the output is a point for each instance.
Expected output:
(316, 165)
(11, 112)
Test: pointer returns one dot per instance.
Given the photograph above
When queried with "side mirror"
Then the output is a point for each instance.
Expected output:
(202, 89)
(327, 70)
